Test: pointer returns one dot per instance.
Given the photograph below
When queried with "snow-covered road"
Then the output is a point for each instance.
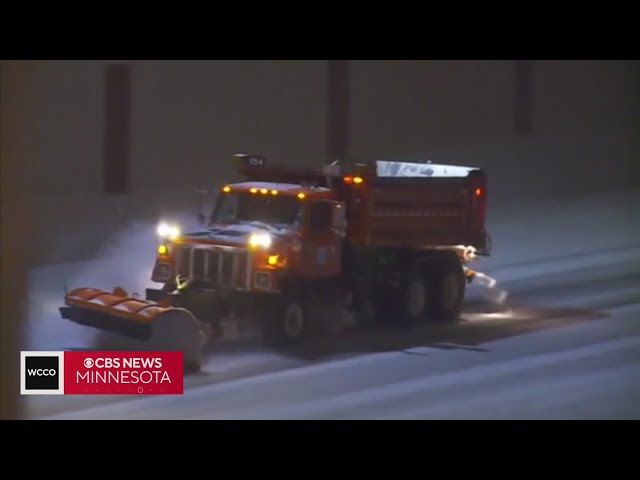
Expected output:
(566, 344)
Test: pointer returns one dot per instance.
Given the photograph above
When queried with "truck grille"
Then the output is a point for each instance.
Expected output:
(211, 267)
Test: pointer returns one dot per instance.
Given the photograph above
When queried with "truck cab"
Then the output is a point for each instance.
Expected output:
(257, 234)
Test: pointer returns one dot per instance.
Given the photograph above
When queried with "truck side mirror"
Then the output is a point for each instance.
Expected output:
(338, 218)
(202, 218)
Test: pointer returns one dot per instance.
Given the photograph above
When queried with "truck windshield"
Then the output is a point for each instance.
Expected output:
(250, 207)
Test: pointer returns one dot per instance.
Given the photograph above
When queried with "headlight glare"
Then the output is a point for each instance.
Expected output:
(260, 239)
(165, 230)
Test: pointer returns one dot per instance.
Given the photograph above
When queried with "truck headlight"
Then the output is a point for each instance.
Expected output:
(260, 239)
(165, 230)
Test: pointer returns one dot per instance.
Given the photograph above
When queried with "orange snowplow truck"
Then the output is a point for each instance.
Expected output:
(388, 240)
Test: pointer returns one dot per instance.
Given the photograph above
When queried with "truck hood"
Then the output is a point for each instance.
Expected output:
(237, 234)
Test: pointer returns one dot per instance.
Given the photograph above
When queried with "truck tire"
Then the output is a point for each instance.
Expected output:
(449, 285)
(414, 300)
(406, 305)
(285, 322)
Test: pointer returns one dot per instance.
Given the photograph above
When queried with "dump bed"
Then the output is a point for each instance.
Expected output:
(394, 203)
(404, 204)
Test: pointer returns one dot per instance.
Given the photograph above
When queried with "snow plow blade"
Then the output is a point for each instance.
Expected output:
(151, 325)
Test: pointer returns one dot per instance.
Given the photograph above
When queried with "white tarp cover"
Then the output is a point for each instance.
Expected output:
(390, 168)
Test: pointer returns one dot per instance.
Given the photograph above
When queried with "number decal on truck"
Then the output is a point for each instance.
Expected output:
(256, 161)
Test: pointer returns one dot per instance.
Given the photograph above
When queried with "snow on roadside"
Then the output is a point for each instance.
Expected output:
(550, 238)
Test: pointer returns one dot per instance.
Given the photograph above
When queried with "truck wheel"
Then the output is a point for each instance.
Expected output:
(285, 322)
(414, 300)
(449, 285)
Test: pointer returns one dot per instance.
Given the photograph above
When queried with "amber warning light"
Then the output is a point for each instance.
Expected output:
(350, 180)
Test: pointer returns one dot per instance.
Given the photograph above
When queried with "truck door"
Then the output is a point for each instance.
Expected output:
(323, 238)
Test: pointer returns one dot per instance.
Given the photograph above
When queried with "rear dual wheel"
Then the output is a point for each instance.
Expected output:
(415, 300)
(405, 305)
(449, 286)
(435, 293)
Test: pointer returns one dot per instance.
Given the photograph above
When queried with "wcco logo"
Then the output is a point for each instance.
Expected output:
(41, 373)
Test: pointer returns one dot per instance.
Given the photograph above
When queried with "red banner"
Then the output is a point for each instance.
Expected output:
(123, 373)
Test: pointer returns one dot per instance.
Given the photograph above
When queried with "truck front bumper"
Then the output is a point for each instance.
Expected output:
(209, 304)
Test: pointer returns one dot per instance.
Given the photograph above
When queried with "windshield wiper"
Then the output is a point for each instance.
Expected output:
(259, 223)
(223, 222)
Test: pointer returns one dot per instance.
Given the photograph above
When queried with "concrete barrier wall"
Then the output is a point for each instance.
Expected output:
(583, 138)
(187, 120)
(189, 117)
